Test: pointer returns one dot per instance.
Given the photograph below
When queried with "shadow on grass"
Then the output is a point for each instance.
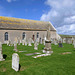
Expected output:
(4, 56)
(19, 67)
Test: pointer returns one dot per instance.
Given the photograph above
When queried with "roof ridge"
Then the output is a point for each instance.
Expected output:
(13, 18)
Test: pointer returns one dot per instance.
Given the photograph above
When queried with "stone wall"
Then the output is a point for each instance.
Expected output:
(18, 33)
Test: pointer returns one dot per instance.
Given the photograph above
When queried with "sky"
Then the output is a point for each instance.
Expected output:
(61, 13)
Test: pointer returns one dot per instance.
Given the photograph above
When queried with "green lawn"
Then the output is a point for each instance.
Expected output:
(56, 64)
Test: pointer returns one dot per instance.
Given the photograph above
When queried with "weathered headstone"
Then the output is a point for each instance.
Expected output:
(1, 55)
(60, 44)
(7, 42)
(55, 42)
(64, 40)
(40, 41)
(47, 48)
(74, 43)
(29, 42)
(15, 62)
(35, 45)
(72, 40)
(23, 42)
(18, 40)
(15, 46)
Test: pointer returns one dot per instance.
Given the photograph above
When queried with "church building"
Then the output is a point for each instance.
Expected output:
(10, 28)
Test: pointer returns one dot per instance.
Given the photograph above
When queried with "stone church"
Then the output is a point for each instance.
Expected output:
(10, 28)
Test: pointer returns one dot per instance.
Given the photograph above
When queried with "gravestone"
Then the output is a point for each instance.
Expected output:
(23, 42)
(1, 55)
(15, 62)
(60, 44)
(40, 41)
(55, 42)
(35, 45)
(72, 40)
(47, 48)
(74, 43)
(7, 42)
(32, 41)
(18, 40)
(29, 43)
(15, 46)
(64, 40)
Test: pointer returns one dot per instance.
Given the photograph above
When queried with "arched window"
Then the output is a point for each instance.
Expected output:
(6, 36)
(23, 35)
(37, 35)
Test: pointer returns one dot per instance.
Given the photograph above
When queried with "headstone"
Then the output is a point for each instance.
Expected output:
(18, 40)
(23, 42)
(40, 41)
(15, 62)
(1, 55)
(47, 48)
(64, 40)
(60, 44)
(32, 41)
(29, 43)
(72, 40)
(35, 45)
(15, 46)
(7, 42)
(55, 42)
(74, 43)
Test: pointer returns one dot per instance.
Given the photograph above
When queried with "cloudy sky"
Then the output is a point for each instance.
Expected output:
(61, 13)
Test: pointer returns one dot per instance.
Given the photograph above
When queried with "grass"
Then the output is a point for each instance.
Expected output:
(56, 64)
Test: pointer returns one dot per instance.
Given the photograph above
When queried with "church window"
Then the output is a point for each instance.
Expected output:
(6, 36)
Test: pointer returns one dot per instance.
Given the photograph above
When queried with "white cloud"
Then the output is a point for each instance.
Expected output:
(61, 14)
(10, 0)
(66, 29)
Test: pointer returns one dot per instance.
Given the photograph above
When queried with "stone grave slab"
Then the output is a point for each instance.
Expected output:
(32, 54)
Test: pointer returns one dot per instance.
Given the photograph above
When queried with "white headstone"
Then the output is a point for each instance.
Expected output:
(64, 40)
(29, 43)
(35, 45)
(15, 46)
(7, 42)
(55, 42)
(15, 62)
(40, 40)
(18, 40)
(74, 43)
(1, 55)
(23, 42)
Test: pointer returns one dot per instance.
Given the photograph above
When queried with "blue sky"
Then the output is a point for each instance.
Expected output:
(61, 13)
(27, 9)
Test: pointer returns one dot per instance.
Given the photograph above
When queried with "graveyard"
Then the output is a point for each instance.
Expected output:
(60, 62)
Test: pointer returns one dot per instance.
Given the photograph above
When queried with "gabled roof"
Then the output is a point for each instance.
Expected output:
(16, 23)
